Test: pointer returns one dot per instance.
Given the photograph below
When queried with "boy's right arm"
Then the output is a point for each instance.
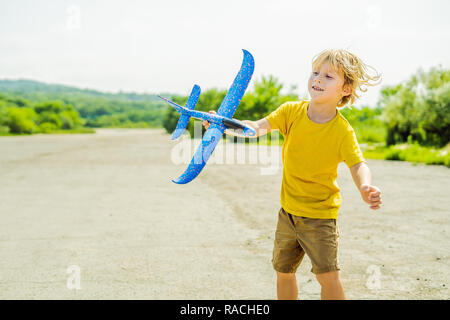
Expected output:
(261, 126)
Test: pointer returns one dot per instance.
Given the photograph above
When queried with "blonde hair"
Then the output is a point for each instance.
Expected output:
(354, 71)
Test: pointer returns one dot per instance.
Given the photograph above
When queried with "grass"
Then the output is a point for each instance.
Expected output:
(409, 152)
(69, 131)
(77, 130)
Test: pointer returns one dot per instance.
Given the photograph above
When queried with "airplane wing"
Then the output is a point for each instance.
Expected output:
(237, 89)
(205, 149)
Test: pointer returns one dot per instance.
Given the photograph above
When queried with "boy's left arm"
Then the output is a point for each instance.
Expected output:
(363, 181)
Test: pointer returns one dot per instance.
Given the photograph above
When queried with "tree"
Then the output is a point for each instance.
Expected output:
(418, 110)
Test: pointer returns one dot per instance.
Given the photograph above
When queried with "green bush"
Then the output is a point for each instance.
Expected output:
(21, 120)
(20, 116)
(63, 116)
(47, 127)
(393, 154)
(4, 130)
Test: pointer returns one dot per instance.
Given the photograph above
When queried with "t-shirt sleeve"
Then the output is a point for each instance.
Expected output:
(280, 118)
(350, 151)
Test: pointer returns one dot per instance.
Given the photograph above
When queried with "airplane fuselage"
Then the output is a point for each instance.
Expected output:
(220, 120)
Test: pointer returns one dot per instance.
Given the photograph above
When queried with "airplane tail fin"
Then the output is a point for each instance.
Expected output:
(184, 118)
(193, 97)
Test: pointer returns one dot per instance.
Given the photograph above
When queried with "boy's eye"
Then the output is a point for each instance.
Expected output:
(316, 73)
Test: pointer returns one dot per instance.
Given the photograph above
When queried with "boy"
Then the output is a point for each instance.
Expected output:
(316, 139)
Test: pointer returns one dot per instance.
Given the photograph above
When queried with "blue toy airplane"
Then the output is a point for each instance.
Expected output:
(219, 121)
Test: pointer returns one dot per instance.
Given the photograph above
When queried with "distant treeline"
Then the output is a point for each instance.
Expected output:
(417, 110)
(33, 107)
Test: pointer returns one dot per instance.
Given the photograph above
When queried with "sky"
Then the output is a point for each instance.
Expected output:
(168, 46)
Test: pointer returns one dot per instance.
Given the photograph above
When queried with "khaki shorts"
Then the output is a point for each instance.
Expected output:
(296, 235)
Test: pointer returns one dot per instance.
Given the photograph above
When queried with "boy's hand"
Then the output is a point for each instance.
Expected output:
(371, 195)
(205, 123)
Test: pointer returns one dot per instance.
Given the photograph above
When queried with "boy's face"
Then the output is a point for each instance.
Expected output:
(326, 85)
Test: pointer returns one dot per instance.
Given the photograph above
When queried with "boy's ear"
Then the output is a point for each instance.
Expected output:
(347, 90)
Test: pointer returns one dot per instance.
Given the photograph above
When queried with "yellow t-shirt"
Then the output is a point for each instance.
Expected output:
(311, 153)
